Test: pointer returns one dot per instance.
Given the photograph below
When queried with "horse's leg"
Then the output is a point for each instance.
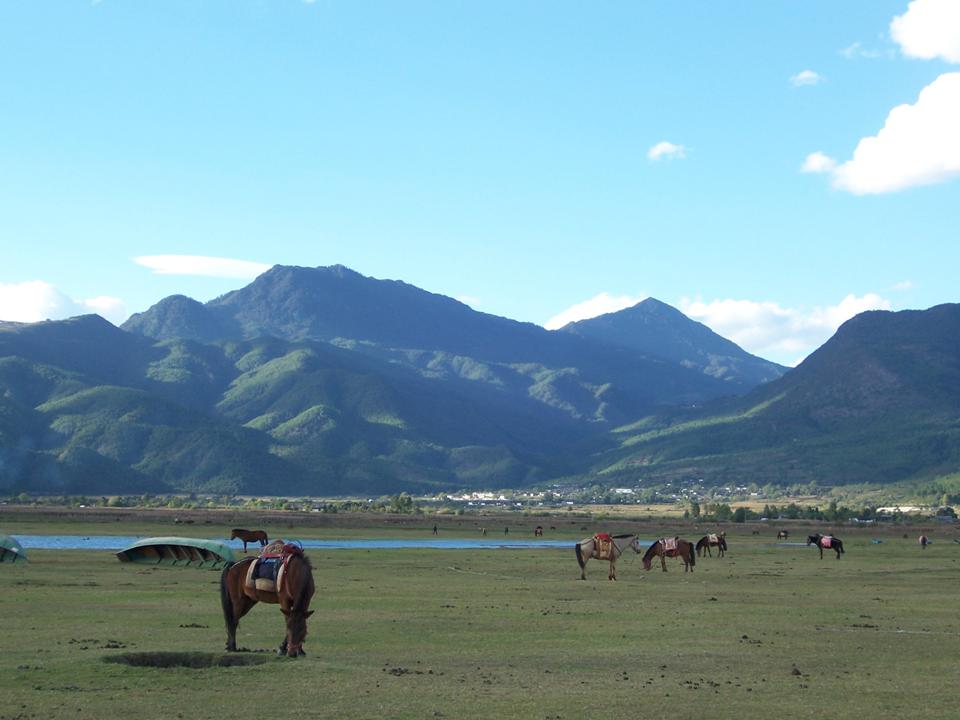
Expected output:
(663, 562)
(612, 575)
(235, 604)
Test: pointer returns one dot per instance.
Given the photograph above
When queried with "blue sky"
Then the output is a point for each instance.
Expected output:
(541, 161)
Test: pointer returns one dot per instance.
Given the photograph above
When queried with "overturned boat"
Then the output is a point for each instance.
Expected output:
(11, 551)
(179, 552)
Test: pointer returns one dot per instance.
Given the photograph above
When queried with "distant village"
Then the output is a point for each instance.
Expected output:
(691, 500)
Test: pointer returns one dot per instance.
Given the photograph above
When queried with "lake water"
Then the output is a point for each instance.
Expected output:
(119, 542)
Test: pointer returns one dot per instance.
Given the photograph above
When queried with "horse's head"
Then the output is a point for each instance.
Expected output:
(649, 555)
(296, 631)
(813, 539)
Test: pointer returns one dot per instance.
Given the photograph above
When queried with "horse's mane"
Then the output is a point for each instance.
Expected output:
(625, 535)
(302, 594)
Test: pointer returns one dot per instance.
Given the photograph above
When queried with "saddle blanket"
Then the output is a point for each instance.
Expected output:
(604, 544)
(713, 539)
(669, 543)
(826, 541)
(264, 573)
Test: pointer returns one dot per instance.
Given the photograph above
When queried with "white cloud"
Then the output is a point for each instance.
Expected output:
(37, 300)
(817, 162)
(776, 332)
(857, 50)
(468, 300)
(929, 29)
(669, 150)
(805, 77)
(201, 265)
(598, 305)
(903, 285)
(918, 145)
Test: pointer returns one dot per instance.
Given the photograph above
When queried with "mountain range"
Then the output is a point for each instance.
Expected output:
(324, 381)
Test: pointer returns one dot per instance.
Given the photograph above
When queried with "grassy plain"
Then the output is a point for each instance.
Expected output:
(768, 631)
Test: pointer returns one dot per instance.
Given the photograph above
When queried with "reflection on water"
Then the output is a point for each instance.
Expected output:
(119, 542)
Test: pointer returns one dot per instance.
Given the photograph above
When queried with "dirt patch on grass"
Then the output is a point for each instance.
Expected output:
(195, 660)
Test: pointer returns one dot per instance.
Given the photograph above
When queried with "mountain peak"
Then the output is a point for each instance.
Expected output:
(656, 328)
(176, 316)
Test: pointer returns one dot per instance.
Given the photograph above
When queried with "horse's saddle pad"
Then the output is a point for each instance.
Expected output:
(669, 543)
(826, 541)
(263, 573)
(604, 545)
(713, 539)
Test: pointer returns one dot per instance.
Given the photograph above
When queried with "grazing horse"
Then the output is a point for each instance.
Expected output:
(717, 540)
(538, 531)
(249, 536)
(294, 588)
(604, 547)
(924, 541)
(671, 547)
(826, 541)
(783, 534)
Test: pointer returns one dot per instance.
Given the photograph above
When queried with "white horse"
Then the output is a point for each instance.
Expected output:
(605, 547)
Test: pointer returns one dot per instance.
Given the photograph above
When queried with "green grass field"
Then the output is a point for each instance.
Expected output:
(766, 632)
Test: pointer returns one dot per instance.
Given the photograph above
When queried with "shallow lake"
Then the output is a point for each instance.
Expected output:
(118, 542)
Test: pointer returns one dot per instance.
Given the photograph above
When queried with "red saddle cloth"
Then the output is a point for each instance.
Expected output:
(826, 541)
(602, 536)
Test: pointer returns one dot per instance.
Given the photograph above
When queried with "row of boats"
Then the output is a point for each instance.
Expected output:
(171, 551)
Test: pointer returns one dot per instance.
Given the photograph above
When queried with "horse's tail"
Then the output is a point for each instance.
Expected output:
(840, 543)
(693, 555)
(579, 555)
(226, 602)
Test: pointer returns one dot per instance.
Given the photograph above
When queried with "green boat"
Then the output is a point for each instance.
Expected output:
(11, 551)
(179, 552)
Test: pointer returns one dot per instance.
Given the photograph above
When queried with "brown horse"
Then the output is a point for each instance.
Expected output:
(826, 541)
(783, 534)
(249, 536)
(924, 541)
(717, 540)
(604, 547)
(671, 547)
(294, 590)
